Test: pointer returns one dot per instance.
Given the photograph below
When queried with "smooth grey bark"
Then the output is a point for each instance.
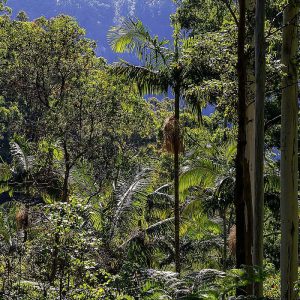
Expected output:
(289, 150)
(245, 146)
(258, 200)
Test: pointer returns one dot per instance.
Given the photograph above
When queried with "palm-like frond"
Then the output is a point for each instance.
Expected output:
(125, 198)
(132, 36)
(204, 173)
(148, 81)
(156, 230)
(161, 226)
(222, 196)
(160, 198)
(22, 162)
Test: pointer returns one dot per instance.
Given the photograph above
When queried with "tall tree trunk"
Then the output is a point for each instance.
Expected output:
(177, 88)
(176, 178)
(258, 203)
(243, 199)
(239, 188)
(289, 150)
(223, 216)
(249, 176)
(65, 192)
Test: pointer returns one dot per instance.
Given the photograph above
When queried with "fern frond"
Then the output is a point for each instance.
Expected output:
(204, 174)
(96, 220)
(125, 198)
(161, 226)
(159, 199)
(20, 158)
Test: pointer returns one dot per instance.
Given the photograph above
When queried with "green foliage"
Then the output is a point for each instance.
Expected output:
(86, 196)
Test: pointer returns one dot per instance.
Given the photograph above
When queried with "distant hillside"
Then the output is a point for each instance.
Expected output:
(96, 16)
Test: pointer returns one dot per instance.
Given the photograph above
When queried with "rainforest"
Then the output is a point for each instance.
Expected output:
(164, 167)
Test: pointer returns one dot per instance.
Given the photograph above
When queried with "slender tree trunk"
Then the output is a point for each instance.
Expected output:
(65, 198)
(176, 179)
(241, 208)
(65, 192)
(223, 215)
(177, 87)
(258, 203)
(249, 156)
(55, 253)
(289, 150)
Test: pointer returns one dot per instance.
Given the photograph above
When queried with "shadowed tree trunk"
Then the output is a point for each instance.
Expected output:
(239, 201)
(248, 174)
(258, 203)
(289, 150)
(243, 200)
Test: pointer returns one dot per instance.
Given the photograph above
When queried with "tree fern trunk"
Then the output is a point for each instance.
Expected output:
(289, 150)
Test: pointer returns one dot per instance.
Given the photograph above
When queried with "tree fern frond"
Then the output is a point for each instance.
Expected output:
(230, 151)
(161, 226)
(125, 198)
(160, 199)
(21, 160)
(205, 173)
(96, 220)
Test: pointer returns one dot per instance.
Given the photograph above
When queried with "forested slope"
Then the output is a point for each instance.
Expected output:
(108, 194)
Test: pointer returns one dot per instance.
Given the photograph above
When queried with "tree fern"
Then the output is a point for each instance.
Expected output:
(125, 196)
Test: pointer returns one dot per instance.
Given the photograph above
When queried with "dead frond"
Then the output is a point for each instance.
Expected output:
(170, 138)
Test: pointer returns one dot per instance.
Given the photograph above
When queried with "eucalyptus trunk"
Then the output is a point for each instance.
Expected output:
(258, 203)
(241, 109)
(243, 199)
(289, 150)
(249, 161)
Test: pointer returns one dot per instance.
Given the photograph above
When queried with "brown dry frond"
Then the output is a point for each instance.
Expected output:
(22, 218)
(169, 136)
(232, 240)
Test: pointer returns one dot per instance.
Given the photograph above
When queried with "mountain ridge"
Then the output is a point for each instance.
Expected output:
(97, 16)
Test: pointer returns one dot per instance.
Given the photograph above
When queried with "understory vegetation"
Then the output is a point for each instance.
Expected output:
(107, 192)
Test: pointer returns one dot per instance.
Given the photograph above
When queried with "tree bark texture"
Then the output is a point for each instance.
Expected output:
(258, 202)
(289, 150)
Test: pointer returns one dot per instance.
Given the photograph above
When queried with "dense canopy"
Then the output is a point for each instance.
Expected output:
(116, 183)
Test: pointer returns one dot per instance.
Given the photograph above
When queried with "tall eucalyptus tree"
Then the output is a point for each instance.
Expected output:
(289, 150)
(260, 79)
